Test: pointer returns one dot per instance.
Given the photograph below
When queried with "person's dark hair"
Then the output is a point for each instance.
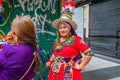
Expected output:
(72, 29)
(24, 28)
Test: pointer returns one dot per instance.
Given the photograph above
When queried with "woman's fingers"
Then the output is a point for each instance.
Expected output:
(48, 64)
(10, 37)
(76, 66)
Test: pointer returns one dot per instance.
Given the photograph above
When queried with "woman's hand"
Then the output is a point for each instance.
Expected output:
(48, 64)
(83, 63)
(50, 61)
(10, 38)
(77, 66)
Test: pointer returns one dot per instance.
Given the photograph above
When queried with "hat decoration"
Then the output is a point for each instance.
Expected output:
(68, 7)
(66, 15)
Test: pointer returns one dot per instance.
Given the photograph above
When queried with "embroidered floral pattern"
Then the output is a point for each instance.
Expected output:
(59, 46)
(89, 53)
(68, 73)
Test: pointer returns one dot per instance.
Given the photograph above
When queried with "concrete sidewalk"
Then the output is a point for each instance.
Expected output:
(102, 69)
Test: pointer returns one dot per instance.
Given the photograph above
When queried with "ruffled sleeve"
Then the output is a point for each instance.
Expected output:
(81, 46)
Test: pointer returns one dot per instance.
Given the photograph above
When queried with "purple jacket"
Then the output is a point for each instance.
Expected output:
(15, 60)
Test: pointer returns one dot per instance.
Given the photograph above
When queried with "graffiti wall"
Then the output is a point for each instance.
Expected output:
(5, 14)
(42, 12)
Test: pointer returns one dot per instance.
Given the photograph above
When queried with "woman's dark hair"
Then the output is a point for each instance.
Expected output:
(72, 29)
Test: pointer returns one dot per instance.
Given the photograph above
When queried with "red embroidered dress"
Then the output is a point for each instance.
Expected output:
(66, 53)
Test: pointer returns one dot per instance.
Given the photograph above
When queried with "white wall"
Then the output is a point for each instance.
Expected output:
(78, 18)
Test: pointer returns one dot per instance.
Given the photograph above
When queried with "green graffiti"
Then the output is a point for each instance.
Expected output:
(9, 12)
(1, 33)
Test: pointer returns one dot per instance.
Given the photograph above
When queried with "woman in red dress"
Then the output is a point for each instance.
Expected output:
(66, 61)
